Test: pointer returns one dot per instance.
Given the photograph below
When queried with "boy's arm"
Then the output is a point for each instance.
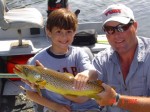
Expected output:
(35, 97)
(77, 99)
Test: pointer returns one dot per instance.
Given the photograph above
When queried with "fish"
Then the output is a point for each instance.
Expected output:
(61, 83)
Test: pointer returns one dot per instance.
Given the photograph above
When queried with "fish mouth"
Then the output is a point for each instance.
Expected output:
(18, 69)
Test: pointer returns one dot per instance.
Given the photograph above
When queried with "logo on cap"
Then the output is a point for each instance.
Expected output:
(113, 11)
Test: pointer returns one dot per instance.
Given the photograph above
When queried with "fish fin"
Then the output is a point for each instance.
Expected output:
(38, 90)
(99, 82)
(70, 95)
(69, 75)
(41, 83)
(113, 87)
(94, 96)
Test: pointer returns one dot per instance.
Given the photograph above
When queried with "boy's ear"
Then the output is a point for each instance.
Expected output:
(48, 33)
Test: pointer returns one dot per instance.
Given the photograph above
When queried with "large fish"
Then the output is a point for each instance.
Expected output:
(57, 82)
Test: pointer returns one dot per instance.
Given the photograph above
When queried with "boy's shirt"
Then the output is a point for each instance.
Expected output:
(75, 61)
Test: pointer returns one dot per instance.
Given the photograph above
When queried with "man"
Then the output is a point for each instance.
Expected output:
(127, 60)
(125, 66)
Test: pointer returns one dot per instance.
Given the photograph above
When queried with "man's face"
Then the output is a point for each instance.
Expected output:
(121, 37)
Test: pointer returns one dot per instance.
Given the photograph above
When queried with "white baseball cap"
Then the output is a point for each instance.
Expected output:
(117, 12)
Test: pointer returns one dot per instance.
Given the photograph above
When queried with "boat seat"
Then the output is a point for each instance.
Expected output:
(89, 52)
(19, 19)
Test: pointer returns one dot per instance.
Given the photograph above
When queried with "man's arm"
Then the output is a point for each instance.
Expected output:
(134, 104)
(131, 103)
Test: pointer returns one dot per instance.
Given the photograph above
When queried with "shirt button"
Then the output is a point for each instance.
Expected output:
(125, 89)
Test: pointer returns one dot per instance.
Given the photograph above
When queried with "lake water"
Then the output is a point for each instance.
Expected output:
(91, 10)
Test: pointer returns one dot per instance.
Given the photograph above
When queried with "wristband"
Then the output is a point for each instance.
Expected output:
(116, 100)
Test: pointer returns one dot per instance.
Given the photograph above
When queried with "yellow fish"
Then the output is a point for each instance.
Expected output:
(61, 83)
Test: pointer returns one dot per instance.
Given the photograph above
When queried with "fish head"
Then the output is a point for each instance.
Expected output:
(27, 72)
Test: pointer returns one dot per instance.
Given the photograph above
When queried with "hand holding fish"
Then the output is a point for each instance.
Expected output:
(108, 96)
(82, 78)
(38, 63)
(33, 85)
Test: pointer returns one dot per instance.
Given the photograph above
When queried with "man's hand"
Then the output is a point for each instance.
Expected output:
(108, 96)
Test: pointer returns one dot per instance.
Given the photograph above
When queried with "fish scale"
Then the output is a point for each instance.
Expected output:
(61, 83)
(54, 80)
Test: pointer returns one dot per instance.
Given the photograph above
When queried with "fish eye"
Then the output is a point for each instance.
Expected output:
(37, 76)
(26, 69)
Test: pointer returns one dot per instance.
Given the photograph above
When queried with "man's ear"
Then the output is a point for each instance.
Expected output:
(135, 25)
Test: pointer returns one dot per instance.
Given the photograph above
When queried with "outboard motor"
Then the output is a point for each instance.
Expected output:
(56, 4)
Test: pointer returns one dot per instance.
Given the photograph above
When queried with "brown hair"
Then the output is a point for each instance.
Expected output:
(62, 18)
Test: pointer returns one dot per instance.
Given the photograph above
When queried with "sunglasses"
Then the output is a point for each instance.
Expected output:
(120, 28)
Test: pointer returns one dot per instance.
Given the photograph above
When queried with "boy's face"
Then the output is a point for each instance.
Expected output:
(61, 38)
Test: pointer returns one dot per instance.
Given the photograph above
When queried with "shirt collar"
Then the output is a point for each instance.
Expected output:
(141, 51)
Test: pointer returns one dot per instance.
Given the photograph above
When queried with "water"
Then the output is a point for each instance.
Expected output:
(91, 10)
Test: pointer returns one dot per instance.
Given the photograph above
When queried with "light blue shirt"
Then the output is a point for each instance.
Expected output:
(75, 61)
(137, 82)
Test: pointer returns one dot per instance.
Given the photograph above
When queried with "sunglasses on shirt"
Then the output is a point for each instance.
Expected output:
(119, 28)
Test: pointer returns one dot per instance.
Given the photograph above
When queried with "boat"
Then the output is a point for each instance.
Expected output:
(17, 46)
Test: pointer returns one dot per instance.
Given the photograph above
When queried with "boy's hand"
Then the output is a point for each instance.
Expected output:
(33, 85)
(80, 80)
(38, 63)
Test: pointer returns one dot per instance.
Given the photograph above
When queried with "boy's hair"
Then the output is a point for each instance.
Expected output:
(62, 18)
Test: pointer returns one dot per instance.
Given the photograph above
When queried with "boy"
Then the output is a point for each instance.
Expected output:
(60, 28)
